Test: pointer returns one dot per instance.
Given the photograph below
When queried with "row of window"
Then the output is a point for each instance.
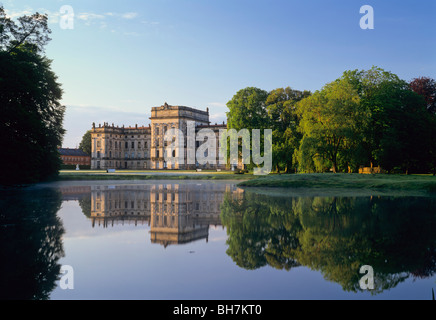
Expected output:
(157, 206)
(82, 159)
(117, 144)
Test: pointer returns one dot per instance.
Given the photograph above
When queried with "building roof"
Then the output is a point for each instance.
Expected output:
(72, 152)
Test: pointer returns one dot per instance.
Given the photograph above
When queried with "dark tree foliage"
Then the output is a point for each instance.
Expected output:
(334, 235)
(31, 236)
(30, 111)
(425, 87)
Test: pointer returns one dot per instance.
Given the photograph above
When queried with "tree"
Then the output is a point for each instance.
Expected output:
(247, 111)
(367, 83)
(31, 29)
(281, 108)
(426, 87)
(404, 139)
(85, 144)
(396, 127)
(31, 113)
(330, 121)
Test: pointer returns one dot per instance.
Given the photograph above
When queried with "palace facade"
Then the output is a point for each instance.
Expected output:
(142, 148)
(176, 213)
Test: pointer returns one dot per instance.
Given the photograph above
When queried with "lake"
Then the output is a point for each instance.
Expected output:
(212, 240)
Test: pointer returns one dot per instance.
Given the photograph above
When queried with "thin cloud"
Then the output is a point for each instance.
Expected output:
(13, 14)
(89, 16)
(129, 15)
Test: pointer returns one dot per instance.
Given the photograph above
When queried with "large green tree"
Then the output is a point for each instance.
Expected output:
(426, 87)
(330, 123)
(247, 111)
(395, 133)
(30, 110)
(281, 107)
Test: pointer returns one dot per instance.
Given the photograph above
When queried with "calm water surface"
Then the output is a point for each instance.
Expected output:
(212, 240)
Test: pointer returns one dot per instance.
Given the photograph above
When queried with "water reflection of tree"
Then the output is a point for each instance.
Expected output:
(31, 237)
(85, 205)
(335, 236)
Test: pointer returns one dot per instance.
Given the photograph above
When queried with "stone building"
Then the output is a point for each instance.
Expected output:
(74, 157)
(139, 148)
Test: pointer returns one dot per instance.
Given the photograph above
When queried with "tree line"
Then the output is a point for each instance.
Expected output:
(31, 115)
(365, 118)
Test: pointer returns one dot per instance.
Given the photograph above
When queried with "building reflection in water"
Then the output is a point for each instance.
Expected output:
(175, 213)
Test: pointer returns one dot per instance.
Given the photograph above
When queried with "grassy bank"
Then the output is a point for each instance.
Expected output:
(150, 175)
(323, 181)
(382, 182)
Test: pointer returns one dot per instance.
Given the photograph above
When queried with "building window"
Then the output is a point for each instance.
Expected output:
(133, 144)
(127, 145)
(98, 144)
(157, 153)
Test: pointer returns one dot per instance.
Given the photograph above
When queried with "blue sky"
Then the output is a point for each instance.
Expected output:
(124, 57)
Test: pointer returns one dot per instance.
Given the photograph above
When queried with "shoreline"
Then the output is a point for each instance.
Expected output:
(313, 183)
(385, 183)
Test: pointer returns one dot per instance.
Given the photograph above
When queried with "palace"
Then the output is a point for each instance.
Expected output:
(139, 148)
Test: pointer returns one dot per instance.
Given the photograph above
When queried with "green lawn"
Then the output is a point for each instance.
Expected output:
(384, 182)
